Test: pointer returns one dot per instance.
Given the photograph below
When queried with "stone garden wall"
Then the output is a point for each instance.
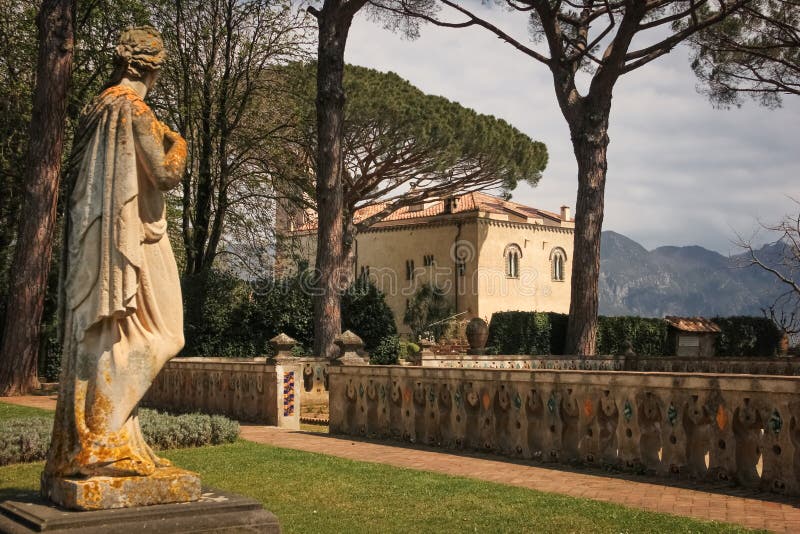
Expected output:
(314, 372)
(241, 388)
(671, 364)
(737, 428)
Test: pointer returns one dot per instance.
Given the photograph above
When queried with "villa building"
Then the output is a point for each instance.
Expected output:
(486, 254)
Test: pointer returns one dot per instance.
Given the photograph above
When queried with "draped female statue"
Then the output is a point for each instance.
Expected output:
(122, 311)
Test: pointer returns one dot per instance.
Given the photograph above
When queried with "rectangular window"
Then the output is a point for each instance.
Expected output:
(409, 269)
(427, 260)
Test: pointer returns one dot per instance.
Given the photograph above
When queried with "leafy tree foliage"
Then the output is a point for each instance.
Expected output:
(387, 351)
(401, 146)
(239, 317)
(219, 87)
(395, 135)
(284, 305)
(17, 65)
(604, 40)
(365, 312)
(427, 311)
(222, 326)
(754, 52)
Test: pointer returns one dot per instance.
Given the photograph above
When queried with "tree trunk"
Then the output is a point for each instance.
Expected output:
(18, 357)
(349, 250)
(589, 142)
(333, 29)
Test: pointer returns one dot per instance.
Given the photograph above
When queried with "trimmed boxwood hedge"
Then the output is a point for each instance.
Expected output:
(747, 336)
(26, 439)
(539, 333)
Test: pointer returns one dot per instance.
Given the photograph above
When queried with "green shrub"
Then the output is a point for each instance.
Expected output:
(26, 439)
(165, 431)
(408, 350)
(747, 336)
(387, 352)
(647, 336)
(283, 305)
(365, 312)
(539, 333)
(218, 307)
(518, 332)
(230, 317)
(428, 306)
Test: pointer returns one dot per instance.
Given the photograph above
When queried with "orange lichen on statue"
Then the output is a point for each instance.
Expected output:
(175, 159)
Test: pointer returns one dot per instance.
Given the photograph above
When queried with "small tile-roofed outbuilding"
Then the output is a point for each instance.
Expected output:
(692, 336)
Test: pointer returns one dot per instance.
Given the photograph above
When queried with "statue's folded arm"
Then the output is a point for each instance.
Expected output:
(160, 150)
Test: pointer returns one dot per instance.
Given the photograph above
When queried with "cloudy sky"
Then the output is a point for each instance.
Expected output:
(680, 172)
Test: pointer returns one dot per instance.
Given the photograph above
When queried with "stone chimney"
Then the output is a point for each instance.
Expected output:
(565, 213)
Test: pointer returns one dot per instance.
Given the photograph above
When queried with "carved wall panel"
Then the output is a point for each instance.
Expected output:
(726, 428)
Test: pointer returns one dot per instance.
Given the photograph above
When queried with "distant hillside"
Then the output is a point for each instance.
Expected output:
(680, 280)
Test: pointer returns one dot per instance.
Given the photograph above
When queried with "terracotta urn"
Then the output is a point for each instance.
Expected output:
(477, 334)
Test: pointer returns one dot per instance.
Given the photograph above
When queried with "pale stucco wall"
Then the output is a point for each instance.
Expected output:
(534, 289)
(386, 251)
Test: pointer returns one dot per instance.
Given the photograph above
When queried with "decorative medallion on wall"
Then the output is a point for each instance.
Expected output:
(775, 422)
(672, 414)
(627, 410)
(722, 417)
(551, 404)
(517, 401)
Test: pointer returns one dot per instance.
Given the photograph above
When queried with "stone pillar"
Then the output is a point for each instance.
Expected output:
(349, 345)
(289, 387)
(288, 374)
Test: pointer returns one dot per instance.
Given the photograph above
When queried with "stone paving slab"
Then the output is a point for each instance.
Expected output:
(700, 501)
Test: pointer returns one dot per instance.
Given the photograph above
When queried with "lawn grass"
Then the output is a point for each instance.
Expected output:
(317, 493)
(12, 411)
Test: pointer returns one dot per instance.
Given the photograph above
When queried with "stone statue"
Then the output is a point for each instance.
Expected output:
(122, 314)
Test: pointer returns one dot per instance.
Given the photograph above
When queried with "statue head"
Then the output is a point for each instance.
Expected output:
(139, 55)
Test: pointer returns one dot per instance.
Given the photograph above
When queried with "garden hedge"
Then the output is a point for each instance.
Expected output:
(747, 336)
(539, 333)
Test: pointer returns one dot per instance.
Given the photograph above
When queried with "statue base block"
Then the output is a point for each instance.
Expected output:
(216, 511)
(166, 485)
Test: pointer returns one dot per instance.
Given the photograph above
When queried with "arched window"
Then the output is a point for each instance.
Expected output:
(558, 260)
(512, 254)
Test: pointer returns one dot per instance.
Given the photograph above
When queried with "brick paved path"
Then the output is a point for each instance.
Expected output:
(763, 511)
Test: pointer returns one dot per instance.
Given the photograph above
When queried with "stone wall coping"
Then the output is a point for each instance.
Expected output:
(256, 360)
(633, 379)
(525, 357)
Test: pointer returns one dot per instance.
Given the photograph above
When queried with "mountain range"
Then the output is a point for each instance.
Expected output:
(684, 281)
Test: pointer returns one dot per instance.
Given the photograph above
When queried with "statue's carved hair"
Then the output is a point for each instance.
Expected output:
(140, 49)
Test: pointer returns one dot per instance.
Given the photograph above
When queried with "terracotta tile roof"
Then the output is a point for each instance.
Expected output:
(692, 324)
(474, 201)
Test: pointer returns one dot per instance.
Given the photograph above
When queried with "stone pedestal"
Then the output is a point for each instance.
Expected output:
(166, 485)
(215, 511)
